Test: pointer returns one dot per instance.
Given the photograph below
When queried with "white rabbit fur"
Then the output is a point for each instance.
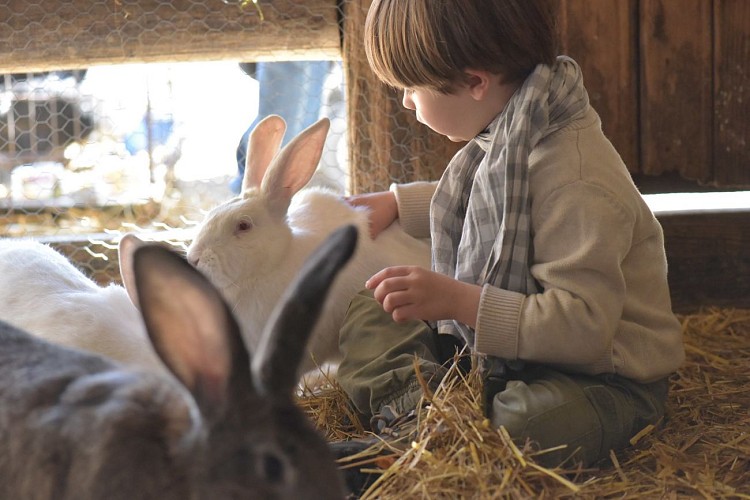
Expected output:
(252, 246)
(43, 293)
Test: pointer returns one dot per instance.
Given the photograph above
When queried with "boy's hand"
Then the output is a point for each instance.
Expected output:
(411, 292)
(383, 209)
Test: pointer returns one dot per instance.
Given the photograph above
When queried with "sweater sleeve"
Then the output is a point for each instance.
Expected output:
(581, 236)
(413, 200)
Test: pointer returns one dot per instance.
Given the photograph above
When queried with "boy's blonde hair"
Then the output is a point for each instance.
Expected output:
(429, 43)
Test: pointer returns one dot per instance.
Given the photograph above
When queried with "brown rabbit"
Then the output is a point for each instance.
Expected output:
(74, 425)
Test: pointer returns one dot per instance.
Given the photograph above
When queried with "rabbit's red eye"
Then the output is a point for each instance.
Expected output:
(244, 225)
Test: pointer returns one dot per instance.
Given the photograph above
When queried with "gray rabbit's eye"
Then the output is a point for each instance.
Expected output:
(273, 468)
(268, 465)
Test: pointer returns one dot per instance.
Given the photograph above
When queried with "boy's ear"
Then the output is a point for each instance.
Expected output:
(478, 82)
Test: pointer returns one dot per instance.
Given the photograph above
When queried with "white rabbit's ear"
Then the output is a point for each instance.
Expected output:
(191, 328)
(262, 146)
(295, 165)
(125, 249)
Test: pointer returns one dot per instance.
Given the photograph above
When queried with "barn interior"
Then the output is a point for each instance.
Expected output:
(124, 116)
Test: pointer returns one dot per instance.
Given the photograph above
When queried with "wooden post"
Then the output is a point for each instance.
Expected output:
(676, 88)
(732, 92)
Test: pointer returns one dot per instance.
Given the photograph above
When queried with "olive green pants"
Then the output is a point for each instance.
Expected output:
(589, 414)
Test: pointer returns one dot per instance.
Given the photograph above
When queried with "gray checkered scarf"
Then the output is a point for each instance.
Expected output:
(480, 213)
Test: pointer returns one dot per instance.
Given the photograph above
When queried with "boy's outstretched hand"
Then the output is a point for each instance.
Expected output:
(383, 209)
(412, 292)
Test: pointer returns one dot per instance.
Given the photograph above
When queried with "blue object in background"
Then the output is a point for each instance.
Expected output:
(290, 89)
(161, 130)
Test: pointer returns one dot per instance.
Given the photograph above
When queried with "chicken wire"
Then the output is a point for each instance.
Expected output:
(89, 153)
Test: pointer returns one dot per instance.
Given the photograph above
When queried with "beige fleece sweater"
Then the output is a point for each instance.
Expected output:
(598, 256)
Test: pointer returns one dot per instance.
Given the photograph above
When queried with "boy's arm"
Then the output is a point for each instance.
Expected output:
(413, 200)
(410, 203)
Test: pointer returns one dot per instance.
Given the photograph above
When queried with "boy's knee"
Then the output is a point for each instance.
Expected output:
(552, 418)
(510, 409)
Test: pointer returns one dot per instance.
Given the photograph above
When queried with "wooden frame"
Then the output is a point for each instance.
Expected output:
(62, 34)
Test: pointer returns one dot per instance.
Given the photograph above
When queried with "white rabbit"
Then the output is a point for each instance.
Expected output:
(77, 426)
(43, 293)
(253, 245)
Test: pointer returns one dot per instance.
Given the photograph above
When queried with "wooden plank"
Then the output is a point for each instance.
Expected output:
(709, 262)
(602, 37)
(386, 142)
(732, 92)
(60, 34)
(676, 88)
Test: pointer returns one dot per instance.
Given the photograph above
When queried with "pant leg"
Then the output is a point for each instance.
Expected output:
(589, 414)
(379, 354)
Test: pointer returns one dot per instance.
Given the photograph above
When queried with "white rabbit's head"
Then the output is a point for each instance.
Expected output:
(248, 237)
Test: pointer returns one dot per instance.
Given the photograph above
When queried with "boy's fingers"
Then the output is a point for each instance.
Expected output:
(395, 300)
(387, 287)
(403, 314)
(388, 272)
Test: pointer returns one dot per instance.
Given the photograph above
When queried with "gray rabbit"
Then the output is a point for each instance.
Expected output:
(77, 426)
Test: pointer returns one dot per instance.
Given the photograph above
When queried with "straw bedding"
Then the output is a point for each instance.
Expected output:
(701, 449)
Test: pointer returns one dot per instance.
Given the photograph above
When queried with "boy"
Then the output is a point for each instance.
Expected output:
(547, 263)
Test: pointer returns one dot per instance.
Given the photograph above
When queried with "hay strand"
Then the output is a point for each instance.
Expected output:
(702, 449)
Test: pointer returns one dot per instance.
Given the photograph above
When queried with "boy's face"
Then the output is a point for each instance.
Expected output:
(446, 114)
(467, 111)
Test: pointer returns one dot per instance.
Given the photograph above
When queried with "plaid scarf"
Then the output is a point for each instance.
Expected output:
(480, 213)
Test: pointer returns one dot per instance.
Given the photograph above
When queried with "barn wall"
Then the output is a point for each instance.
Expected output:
(670, 79)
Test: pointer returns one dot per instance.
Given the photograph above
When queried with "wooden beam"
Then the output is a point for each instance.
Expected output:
(709, 258)
(62, 34)
(732, 92)
(676, 88)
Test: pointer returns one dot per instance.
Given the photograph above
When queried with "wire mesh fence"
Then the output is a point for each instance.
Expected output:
(91, 152)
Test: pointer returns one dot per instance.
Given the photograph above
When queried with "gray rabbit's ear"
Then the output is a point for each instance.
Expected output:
(262, 146)
(294, 166)
(276, 363)
(125, 249)
(191, 328)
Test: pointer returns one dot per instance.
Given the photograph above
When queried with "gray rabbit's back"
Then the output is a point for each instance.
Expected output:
(85, 427)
